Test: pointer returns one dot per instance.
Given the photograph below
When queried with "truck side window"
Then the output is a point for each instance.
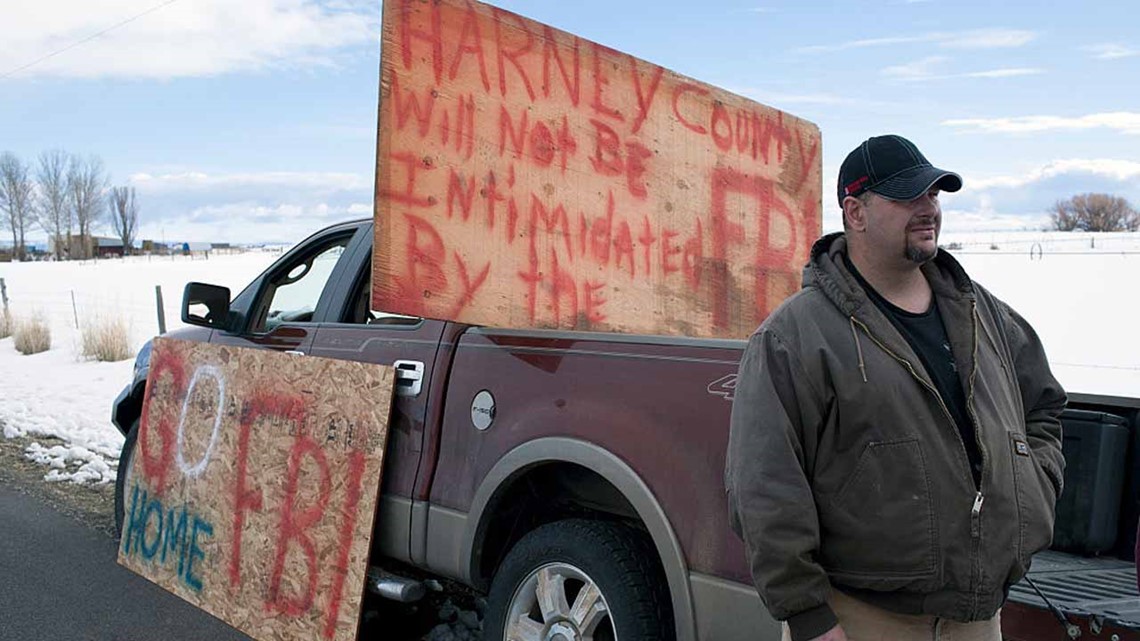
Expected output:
(292, 295)
(361, 311)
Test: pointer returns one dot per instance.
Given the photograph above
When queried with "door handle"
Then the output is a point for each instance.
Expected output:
(409, 377)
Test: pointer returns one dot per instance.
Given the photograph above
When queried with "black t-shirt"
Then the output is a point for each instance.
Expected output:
(927, 337)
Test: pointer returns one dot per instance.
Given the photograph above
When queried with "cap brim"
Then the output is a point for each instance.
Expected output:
(912, 183)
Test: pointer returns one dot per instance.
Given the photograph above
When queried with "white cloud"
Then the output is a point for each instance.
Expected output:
(1018, 201)
(1007, 72)
(986, 219)
(240, 222)
(917, 70)
(325, 181)
(1117, 170)
(925, 69)
(987, 39)
(251, 206)
(1123, 121)
(1111, 51)
(971, 39)
(182, 39)
(778, 98)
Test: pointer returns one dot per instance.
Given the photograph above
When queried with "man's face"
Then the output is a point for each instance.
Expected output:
(904, 229)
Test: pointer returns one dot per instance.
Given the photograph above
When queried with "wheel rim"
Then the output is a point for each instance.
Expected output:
(559, 602)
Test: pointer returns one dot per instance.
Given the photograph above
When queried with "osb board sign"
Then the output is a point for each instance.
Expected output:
(253, 485)
(527, 177)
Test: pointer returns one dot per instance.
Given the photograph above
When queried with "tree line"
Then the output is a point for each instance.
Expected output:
(67, 196)
(1094, 212)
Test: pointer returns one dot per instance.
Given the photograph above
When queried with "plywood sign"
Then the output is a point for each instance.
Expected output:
(252, 489)
(529, 178)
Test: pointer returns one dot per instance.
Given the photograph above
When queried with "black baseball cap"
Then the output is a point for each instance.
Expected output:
(892, 167)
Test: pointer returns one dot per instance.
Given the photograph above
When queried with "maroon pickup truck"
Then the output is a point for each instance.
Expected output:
(577, 478)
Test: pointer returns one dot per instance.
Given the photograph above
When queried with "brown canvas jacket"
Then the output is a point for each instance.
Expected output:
(846, 469)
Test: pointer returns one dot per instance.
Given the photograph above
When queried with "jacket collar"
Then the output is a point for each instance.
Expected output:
(827, 272)
(952, 287)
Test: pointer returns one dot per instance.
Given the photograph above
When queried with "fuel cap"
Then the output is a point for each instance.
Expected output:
(483, 410)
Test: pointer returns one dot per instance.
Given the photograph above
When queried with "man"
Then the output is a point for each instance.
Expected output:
(894, 455)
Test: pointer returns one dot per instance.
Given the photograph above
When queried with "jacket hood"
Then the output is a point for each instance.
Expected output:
(825, 271)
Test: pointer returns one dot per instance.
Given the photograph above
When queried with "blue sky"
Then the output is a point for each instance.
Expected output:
(256, 120)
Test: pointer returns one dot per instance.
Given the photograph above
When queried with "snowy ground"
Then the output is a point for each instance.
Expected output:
(1078, 290)
(56, 393)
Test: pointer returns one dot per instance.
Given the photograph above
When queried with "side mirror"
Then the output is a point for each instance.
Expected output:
(206, 305)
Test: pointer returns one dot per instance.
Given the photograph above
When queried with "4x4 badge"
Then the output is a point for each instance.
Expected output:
(724, 386)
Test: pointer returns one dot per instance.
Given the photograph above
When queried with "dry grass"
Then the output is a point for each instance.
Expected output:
(106, 340)
(5, 325)
(31, 335)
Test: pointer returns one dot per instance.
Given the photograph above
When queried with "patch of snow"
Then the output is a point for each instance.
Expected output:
(1077, 290)
(76, 464)
(57, 394)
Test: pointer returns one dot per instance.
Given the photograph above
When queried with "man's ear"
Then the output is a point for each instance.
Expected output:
(854, 214)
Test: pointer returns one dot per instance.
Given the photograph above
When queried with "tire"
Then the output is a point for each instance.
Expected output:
(570, 557)
(122, 478)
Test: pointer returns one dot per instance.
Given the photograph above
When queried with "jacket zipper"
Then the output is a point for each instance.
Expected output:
(910, 368)
(976, 513)
(979, 496)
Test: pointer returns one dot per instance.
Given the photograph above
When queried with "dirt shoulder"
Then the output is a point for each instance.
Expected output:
(94, 505)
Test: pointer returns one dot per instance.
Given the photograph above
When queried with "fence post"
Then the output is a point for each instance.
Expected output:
(74, 309)
(161, 309)
(4, 295)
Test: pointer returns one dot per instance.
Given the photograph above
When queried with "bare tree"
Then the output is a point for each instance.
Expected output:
(124, 215)
(1095, 212)
(86, 181)
(16, 189)
(52, 210)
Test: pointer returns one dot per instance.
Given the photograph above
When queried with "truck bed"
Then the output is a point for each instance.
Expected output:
(1095, 591)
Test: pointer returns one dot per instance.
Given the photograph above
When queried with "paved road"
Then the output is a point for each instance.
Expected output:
(59, 580)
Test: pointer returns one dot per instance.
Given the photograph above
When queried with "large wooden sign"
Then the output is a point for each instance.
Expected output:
(253, 484)
(529, 178)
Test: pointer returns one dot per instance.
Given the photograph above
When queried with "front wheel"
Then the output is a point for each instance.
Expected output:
(579, 580)
(123, 477)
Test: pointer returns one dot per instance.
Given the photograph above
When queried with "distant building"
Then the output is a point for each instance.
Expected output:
(107, 247)
(188, 248)
(97, 247)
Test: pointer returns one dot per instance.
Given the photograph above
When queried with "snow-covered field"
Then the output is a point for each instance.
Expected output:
(1081, 292)
(56, 393)
(1078, 290)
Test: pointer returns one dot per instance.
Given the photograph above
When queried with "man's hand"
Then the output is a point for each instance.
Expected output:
(834, 634)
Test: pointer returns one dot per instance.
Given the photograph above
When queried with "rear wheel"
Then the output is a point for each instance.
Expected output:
(579, 580)
(123, 478)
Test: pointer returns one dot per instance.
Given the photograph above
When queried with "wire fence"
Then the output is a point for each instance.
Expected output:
(1041, 244)
(74, 308)
(69, 296)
